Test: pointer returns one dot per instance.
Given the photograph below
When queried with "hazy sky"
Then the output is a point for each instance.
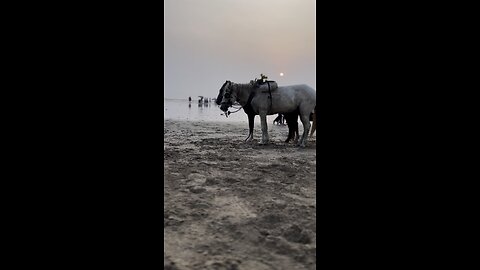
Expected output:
(210, 41)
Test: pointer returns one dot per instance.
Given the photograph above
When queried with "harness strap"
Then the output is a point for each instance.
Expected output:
(248, 108)
(250, 97)
(257, 85)
(270, 93)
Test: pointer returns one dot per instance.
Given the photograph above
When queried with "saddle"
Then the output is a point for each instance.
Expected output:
(264, 86)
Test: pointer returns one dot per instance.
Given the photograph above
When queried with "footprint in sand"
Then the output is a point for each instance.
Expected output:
(232, 208)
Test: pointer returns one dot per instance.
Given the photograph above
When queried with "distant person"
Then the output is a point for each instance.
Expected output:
(189, 99)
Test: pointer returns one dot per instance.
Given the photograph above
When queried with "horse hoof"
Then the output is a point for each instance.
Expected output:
(301, 145)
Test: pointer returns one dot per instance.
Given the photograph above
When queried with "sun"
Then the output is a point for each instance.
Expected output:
(281, 74)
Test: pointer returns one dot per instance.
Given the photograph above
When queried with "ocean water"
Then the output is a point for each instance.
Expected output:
(179, 109)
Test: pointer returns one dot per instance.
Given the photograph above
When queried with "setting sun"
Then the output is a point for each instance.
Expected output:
(281, 74)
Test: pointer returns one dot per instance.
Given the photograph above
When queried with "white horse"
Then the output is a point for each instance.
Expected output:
(284, 99)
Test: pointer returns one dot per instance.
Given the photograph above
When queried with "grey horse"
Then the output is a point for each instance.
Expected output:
(291, 118)
(284, 99)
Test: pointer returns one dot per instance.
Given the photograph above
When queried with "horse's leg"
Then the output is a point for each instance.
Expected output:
(305, 117)
(290, 131)
(295, 131)
(295, 127)
(288, 137)
(263, 120)
(314, 125)
(291, 119)
(251, 119)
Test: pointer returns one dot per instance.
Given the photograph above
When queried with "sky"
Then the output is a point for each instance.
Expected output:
(207, 42)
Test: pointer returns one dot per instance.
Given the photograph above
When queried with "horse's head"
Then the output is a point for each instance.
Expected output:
(220, 93)
(228, 97)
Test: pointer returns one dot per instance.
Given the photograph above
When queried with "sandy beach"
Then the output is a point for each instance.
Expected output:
(235, 205)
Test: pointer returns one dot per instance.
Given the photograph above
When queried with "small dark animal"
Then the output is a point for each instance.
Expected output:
(280, 120)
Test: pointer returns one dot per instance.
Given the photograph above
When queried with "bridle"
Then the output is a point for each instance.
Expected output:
(227, 100)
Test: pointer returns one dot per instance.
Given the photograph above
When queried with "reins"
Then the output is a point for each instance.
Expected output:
(229, 112)
(250, 97)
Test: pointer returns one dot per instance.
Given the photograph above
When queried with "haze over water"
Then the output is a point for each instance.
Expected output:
(207, 42)
(210, 41)
(182, 109)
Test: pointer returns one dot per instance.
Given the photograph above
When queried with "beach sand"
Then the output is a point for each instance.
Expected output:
(235, 205)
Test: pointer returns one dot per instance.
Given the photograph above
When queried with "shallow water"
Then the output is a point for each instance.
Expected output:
(178, 109)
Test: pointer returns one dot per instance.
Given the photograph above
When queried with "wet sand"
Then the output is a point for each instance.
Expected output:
(235, 205)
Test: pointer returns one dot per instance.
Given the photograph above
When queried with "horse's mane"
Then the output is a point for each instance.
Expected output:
(222, 89)
(220, 92)
(223, 85)
(243, 85)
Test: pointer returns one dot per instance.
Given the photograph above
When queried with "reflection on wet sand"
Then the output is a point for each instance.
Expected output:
(177, 109)
(202, 105)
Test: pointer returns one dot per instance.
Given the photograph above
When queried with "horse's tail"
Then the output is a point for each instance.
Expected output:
(314, 125)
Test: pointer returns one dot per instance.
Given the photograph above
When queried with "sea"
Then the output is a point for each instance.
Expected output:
(182, 109)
